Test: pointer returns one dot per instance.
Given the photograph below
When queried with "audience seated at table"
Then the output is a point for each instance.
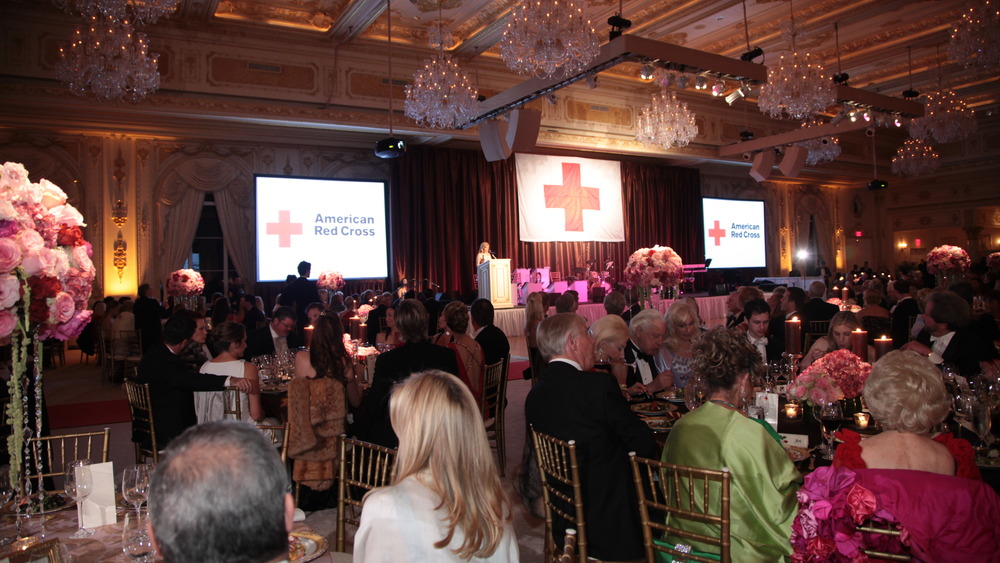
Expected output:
(906, 395)
(446, 502)
(838, 337)
(646, 332)
(676, 355)
(947, 338)
(717, 435)
(534, 313)
(490, 337)
(229, 340)
(468, 352)
(610, 334)
(324, 382)
(278, 337)
(390, 336)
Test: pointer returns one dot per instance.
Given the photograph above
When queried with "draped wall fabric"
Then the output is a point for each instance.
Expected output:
(444, 202)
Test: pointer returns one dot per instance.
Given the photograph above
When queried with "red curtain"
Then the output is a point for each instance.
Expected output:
(444, 202)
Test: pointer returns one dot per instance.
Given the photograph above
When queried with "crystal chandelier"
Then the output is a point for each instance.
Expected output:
(548, 38)
(915, 158)
(139, 12)
(823, 149)
(946, 119)
(975, 40)
(665, 122)
(110, 61)
(797, 87)
(441, 96)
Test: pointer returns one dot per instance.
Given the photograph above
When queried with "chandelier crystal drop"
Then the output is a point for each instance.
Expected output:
(797, 87)
(823, 149)
(441, 96)
(548, 38)
(139, 12)
(975, 39)
(946, 119)
(915, 158)
(110, 61)
(665, 122)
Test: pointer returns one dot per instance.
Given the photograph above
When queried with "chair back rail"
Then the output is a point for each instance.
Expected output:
(363, 467)
(231, 407)
(278, 434)
(141, 407)
(562, 492)
(683, 493)
(493, 406)
(569, 547)
(884, 530)
(56, 451)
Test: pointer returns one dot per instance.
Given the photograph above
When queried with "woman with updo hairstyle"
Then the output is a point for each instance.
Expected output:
(610, 334)
(446, 502)
(906, 395)
(229, 341)
(468, 352)
(719, 435)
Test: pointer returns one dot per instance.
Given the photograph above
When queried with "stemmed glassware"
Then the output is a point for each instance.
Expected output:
(830, 416)
(79, 484)
(135, 484)
(136, 543)
(694, 392)
(981, 415)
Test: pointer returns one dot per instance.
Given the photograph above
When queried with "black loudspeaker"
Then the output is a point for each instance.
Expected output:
(793, 161)
(762, 165)
(500, 139)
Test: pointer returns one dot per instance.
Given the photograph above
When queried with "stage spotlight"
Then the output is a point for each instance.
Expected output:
(752, 54)
(877, 185)
(718, 88)
(700, 83)
(736, 94)
(841, 78)
(646, 72)
(682, 82)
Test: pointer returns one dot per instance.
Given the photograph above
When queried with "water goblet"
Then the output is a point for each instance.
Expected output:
(136, 542)
(135, 484)
(830, 417)
(79, 484)
(982, 422)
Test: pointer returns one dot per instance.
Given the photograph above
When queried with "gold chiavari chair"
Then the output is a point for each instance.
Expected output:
(493, 406)
(561, 491)
(56, 451)
(882, 530)
(569, 547)
(669, 493)
(278, 434)
(143, 427)
(231, 407)
(363, 467)
(817, 330)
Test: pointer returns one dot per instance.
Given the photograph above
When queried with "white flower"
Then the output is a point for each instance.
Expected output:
(52, 195)
(10, 291)
(67, 215)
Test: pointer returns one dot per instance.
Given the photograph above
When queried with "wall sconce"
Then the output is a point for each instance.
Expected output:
(119, 213)
(120, 261)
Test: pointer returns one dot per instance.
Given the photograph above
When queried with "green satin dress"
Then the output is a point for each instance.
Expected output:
(762, 487)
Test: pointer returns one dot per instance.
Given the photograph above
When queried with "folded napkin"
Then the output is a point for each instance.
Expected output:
(98, 508)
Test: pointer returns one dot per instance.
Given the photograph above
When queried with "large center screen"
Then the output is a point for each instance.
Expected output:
(334, 224)
(734, 233)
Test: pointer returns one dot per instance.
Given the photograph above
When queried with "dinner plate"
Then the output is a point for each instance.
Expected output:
(672, 396)
(652, 408)
(61, 502)
(659, 423)
(797, 454)
(305, 545)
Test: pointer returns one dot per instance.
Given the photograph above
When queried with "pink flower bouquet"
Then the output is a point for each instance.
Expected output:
(844, 368)
(993, 261)
(654, 267)
(814, 388)
(185, 283)
(947, 259)
(363, 312)
(331, 280)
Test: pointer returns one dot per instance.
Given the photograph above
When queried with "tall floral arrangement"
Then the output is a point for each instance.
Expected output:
(331, 280)
(185, 283)
(654, 267)
(844, 368)
(948, 259)
(817, 389)
(46, 275)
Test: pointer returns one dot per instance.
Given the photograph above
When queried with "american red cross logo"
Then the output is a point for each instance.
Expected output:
(572, 197)
(717, 233)
(284, 228)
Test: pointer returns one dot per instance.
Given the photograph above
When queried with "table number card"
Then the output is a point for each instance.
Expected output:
(98, 509)
(769, 402)
(797, 440)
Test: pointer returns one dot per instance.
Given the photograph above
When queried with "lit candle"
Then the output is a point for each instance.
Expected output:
(793, 335)
(363, 332)
(859, 344)
(355, 327)
(792, 411)
(844, 294)
(309, 335)
(861, 419)
(882, 346)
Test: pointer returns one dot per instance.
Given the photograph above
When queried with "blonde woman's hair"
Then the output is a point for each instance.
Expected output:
(607, 329)
(679, 312)
(905, 392)
(442, 440)
(534, 309)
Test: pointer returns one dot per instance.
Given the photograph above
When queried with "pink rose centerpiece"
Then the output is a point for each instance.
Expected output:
(363, 312)
(659, 266)
(46, 276)
(993, 261)
(814, 388)
(845, 369)
(331, 280)
(185, 283)
(948, 260)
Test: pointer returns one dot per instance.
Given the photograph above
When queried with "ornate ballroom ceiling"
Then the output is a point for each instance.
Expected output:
(328, 60)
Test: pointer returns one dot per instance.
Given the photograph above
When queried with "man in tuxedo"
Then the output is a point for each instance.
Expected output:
(646, 332)
(573, 403)
(946, 337)
(300, 293)
(904, 307)
(148, 317)
(791, 304)
(172, 385)
(758, 315)
(493, 341)
(416, 354)
(817, 309)
(376, 317)
(278, 337)
(632, 298)
(251, 314)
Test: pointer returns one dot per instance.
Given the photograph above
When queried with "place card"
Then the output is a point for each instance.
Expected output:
(797, 440)
(98, 508)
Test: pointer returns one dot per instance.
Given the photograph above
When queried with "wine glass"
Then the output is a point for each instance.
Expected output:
(136, 542)
(830, 417)
(135, 484)
(982, 421)
(694, 392)
(79, 485)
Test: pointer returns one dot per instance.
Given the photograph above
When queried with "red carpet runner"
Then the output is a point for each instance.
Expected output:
(89, 414)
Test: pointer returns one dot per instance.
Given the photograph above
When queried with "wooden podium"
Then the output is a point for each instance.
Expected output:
(494, 282)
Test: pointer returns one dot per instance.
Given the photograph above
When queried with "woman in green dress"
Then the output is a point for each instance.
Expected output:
(718, 434)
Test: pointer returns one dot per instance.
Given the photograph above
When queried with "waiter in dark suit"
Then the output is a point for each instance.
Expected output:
(493, 341)
(172, 385)
(946, 337)
(149, 316)
(416, 354)
(300, 293)
(278, 337)
(646, 333)
(573, 403)
(817, 309)
(904, 308)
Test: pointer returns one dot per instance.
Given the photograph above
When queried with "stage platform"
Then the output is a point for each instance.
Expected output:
(712, 309)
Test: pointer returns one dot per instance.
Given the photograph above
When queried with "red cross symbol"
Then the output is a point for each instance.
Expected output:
(284, 228)
(572, 197)
(716, 233)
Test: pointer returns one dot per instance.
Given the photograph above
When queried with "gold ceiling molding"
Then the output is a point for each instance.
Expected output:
(428, 6)
(307, 17)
